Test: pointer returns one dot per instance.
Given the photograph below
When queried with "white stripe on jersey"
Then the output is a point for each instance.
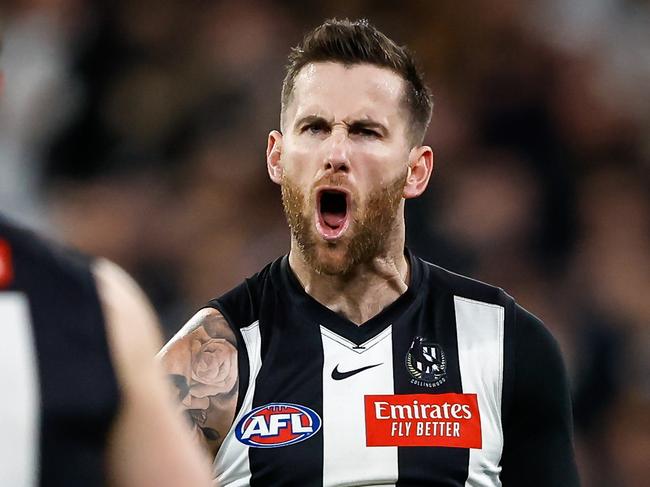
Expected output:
(19, 421)
(231, 465)
(480, 355)
(346, 459)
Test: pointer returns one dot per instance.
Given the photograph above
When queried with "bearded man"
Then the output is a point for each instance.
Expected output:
(351, 361)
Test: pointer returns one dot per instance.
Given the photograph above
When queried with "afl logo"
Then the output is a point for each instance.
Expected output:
(277, 424)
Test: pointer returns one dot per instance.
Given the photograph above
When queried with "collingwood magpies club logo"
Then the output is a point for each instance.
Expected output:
(426, 362)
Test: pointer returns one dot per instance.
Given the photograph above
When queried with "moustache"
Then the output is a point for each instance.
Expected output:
(334, 181)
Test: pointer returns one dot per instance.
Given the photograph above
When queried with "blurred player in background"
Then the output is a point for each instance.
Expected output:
(351, 361)
(83, 403)
(83, 398)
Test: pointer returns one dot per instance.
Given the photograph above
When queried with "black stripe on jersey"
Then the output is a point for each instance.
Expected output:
(436, 322)
(283, 338)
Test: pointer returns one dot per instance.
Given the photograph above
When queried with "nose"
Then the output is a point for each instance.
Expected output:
(337, 158)
(336, 165)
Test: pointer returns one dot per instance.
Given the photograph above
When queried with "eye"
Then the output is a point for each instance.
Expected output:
(315, 128)
(365, 132)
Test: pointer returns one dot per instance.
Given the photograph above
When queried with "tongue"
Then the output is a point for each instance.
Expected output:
(334, 220)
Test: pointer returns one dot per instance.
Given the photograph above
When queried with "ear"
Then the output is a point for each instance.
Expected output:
(421, 161)
(274, 156)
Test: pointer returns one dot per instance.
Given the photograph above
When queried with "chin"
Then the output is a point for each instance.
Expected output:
(332, 259)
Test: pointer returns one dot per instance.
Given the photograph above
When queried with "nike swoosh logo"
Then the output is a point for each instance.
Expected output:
(337, 375)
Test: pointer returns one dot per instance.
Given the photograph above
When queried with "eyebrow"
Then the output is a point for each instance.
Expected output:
(368, 123)
(309, 119)
(363, 123)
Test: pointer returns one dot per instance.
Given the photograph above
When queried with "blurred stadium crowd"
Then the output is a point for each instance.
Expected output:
(136, 130)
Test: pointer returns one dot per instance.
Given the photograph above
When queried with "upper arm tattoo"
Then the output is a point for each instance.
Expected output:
(202, 364)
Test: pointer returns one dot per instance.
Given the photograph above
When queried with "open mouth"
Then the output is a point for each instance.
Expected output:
(332, 219)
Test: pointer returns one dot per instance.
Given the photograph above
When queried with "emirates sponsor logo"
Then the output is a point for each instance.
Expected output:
(450, 420)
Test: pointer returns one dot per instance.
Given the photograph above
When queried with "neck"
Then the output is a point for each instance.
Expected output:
(367, 289)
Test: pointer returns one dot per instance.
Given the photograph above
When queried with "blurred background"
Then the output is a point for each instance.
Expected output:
(136, 130)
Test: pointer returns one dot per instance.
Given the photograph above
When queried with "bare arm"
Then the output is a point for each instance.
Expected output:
(201, 361)
(149, 445)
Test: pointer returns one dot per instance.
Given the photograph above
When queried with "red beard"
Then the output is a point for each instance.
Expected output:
(364, 240)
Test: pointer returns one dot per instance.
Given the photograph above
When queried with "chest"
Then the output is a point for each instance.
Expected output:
(418, 402)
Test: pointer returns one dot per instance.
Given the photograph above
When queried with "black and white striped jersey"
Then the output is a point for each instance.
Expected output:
(60, 393)
(453, 384)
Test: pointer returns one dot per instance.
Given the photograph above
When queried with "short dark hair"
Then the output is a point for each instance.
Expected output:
(358, 42)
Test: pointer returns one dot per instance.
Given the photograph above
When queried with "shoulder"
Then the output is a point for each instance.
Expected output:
(530, 332)
(523, 329)
(445, 281)
(209, 321)
(241, 305)
(534, 355)
(526, 329)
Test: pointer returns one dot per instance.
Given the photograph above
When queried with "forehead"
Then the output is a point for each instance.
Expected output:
(354, 91)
